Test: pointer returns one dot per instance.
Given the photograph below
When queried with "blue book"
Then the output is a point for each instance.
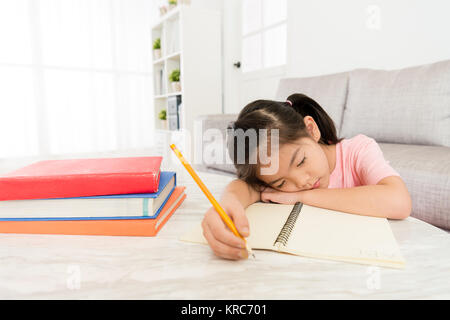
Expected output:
(107, 207)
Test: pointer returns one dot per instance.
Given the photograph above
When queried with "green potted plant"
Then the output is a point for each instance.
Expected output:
(174, 78)
(172, 4)
(157, 49)
(162, 115)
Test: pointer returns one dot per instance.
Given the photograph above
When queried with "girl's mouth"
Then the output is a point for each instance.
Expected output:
(317, 184)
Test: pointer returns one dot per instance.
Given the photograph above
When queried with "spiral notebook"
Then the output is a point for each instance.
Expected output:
(314, 232)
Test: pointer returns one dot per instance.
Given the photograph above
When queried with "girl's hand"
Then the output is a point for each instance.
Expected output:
(220, 238)
(270, 194)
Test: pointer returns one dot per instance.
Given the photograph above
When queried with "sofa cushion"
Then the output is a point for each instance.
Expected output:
(426, 173)
(329, 91)
(410, 106)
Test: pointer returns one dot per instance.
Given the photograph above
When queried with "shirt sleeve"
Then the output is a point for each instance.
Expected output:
(370, 165)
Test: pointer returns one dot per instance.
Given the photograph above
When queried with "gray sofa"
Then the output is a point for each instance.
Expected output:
(406, 111)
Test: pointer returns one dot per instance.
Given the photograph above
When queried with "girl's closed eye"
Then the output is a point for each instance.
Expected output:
(280, 185)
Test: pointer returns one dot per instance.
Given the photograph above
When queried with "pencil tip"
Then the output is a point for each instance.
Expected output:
(249, 250)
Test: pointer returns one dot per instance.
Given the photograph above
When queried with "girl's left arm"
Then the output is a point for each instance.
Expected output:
(389, 198)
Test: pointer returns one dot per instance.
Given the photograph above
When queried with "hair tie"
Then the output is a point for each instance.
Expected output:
(289, 102)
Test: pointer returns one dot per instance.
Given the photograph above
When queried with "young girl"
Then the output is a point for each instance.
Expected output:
(314, 167)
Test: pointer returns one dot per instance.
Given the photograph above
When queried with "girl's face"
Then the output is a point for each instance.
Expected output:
(302, 165)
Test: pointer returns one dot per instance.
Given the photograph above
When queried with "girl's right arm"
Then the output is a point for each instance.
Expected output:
(237, 196)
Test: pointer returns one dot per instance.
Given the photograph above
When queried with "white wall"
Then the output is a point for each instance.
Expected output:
(208, 4)
(327, 36)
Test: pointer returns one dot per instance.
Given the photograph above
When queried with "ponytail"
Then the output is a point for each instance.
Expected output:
(306, 106)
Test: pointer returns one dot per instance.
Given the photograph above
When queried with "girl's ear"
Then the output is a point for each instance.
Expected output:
(312, 128)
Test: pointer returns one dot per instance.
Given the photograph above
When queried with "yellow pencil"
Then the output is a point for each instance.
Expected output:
(210, 197)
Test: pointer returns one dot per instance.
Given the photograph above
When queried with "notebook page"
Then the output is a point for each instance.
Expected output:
(266, 221)
(329, 234)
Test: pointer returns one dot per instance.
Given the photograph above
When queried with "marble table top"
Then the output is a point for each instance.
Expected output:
(162, 267)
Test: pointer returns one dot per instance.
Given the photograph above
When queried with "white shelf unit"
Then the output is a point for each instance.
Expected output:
(190, 41)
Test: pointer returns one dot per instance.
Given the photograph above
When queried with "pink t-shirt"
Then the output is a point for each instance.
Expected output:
(359, 161)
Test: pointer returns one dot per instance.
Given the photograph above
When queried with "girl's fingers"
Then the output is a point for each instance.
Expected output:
(222, 249)
(221, 232)
(266, 197)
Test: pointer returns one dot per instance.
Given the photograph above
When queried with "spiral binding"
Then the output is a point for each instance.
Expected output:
(285, 232)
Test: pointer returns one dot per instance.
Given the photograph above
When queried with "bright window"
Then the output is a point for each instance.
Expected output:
(263, 34)
(75, 76)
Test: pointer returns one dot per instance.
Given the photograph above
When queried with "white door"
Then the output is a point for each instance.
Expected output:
(255, 33)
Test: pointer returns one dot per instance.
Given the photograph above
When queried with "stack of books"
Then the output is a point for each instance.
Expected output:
(108, 196)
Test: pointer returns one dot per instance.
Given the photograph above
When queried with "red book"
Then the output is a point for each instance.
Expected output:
(82, 178)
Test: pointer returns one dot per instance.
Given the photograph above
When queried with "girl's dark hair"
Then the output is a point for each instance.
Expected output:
(287, 118)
